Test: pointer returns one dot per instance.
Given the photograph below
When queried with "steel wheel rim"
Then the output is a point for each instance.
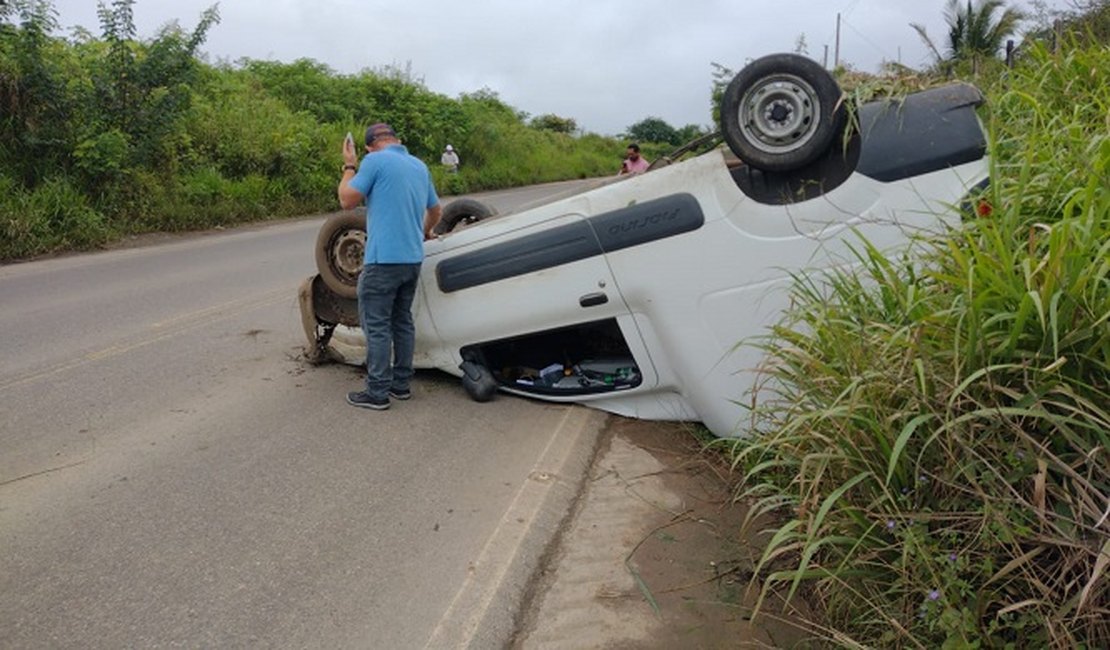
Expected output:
(347, 252)
(779, 114)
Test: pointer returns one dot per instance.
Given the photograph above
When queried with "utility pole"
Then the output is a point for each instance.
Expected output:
(826, 61)
(836, 51)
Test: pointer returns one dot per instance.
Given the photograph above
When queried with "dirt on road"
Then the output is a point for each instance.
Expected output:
(654, 555)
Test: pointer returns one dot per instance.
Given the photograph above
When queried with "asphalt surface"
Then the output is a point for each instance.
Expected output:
(172, 474)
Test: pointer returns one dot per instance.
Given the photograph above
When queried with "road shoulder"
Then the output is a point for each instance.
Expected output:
(653, 556)
(483, 611)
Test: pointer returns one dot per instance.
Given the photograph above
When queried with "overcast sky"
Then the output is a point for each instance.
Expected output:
(606, 63)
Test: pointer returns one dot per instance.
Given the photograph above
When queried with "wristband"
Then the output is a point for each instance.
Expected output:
(350, 168)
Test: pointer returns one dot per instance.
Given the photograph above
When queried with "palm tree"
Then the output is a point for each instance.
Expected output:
(973, 30)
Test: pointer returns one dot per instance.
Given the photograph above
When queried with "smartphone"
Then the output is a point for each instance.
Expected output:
(350, 139)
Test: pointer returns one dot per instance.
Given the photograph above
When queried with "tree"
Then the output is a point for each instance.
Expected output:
(142, 91)
(34, 103)
(974, 32)
(722, 76)
(305, 85)
(690, 132)
(552, 122)
(800, 45)
(1085, 21)
(653, 129)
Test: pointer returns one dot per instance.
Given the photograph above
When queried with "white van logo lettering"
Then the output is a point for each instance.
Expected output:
(643, 222)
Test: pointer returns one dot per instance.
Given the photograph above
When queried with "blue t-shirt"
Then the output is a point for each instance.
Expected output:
(400, 190)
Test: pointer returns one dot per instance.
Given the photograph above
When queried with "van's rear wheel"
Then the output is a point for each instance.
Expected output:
(340, 246)
(781, 112)
(461, 212)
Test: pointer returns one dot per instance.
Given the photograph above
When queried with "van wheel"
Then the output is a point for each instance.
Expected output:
(462, 212)
(340, 245)
(782, 112)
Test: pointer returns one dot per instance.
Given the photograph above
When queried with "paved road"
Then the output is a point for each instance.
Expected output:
(172, 474)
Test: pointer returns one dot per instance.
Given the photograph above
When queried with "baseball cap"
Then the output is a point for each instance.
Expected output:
(450, 148)
(379, 130)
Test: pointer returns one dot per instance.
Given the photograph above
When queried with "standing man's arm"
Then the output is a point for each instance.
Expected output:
(431, 218)
(349, 197)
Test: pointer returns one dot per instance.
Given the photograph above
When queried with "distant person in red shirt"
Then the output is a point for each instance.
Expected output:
(633, 163)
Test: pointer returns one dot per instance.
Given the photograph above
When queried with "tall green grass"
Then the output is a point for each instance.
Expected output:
(53, 216)
(935, 431)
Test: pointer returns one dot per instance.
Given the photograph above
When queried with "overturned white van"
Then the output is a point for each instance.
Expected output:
(637, 296)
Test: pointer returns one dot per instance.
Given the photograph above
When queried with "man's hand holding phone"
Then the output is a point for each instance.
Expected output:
(350, 157)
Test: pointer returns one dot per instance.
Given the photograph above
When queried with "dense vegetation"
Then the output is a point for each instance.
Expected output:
(102, 137)
(934, 434)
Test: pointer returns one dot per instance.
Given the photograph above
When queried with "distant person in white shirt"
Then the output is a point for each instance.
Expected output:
(450, 159)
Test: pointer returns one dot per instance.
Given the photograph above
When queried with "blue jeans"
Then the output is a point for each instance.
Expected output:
(385, 295)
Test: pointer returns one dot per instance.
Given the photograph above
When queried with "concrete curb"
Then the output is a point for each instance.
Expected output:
(484, 611)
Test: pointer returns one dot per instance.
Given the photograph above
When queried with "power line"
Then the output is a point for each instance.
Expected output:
(836, 30)
(878, 48)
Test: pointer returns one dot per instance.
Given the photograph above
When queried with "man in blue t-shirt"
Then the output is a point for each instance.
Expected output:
(402, 209)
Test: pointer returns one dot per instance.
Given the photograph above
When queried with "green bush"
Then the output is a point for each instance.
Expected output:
(54, 216)
(939, 426)
(448, 184)
(103, 155)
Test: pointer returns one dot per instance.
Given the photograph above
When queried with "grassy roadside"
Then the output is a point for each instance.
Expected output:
(938, 431)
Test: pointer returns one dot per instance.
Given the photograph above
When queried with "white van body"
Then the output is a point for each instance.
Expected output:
(673, 273)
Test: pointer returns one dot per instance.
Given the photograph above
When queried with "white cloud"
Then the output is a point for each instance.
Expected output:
(605, 63)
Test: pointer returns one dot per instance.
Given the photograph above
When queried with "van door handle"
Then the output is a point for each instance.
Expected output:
(593, 299)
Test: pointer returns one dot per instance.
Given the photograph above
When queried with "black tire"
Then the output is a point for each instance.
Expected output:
(340, 245)
(462, 211)
(782, 112)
